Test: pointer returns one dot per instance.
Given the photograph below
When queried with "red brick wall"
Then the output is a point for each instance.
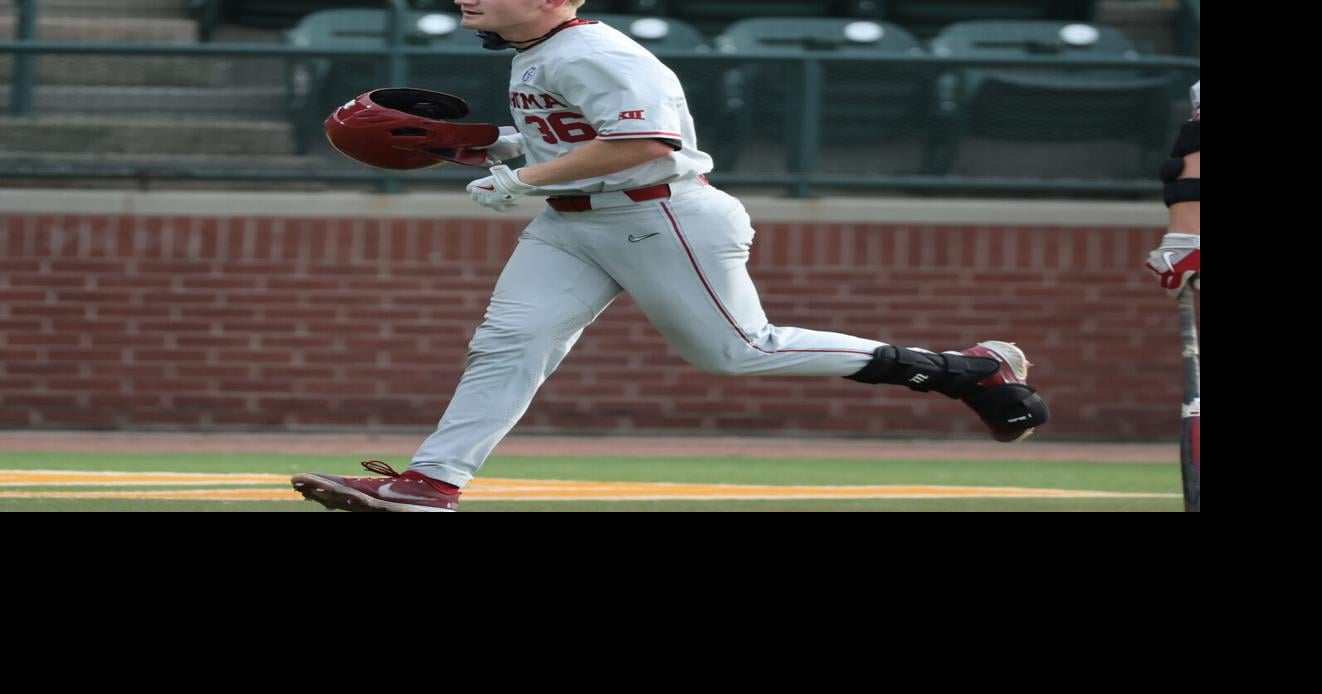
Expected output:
(268, 323)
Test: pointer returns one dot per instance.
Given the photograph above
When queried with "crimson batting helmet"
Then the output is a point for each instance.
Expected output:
(405, 129)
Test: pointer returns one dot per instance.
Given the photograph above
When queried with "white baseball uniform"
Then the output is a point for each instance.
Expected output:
(679, 251)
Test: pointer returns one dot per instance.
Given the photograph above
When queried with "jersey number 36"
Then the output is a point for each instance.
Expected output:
(558, 128)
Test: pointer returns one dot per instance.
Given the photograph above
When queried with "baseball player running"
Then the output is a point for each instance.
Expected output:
(611, 151)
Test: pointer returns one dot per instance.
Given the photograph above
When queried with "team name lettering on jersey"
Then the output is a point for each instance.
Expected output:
(533, 102)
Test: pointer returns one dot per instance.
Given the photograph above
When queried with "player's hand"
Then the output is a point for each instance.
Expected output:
(510, 145)
(499, 190)
(1177, 263)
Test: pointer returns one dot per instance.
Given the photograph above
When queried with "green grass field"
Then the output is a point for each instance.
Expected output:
(1121, 479)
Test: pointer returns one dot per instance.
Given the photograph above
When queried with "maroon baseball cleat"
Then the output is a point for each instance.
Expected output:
(394, 493)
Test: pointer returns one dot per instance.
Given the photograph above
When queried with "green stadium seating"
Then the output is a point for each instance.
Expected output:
(862, 102)
(925, 18)
(1058, 103)
(714, 16)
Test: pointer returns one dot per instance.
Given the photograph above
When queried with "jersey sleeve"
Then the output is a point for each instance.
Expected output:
(625, 96)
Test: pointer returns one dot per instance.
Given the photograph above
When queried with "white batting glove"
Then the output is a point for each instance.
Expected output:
(1178, 263)
(499, 190)
(510, 145)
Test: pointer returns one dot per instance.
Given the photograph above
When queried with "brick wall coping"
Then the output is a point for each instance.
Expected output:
(843, 210)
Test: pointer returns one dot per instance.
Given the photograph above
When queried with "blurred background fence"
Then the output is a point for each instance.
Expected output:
(1022, 97)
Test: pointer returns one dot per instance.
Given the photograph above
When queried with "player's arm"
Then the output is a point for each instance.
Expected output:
(510, 145)
(604, 90)
(594, 160)
(633, 125)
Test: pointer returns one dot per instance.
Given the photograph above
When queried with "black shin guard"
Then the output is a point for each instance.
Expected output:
(953, 375)
(1006, 408)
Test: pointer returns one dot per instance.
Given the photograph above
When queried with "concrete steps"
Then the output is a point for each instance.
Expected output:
(207, 103)
(89, 136)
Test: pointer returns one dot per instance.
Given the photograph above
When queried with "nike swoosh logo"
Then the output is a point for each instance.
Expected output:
(385, 492)
(636, 239)
(486, 187)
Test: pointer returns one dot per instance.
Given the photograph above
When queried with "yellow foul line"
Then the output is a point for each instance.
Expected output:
(495, 489)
